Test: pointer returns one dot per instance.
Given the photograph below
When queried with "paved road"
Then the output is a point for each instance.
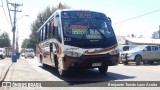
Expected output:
(31, 70)
(130, 72)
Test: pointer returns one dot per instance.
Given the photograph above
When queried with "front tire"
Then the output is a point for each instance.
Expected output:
(103, 69)
(138, 60)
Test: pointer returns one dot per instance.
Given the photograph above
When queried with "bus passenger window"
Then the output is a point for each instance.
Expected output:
(41, 35)
(52, 29)
(46, 32)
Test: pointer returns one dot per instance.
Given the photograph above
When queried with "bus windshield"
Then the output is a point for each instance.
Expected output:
(86, 27)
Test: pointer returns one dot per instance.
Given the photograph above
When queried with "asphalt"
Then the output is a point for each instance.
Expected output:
(28, 70)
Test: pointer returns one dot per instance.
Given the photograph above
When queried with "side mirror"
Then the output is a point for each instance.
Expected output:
(56, 21)
(109, 19)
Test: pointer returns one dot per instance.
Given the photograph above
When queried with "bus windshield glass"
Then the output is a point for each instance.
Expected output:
(85, 27)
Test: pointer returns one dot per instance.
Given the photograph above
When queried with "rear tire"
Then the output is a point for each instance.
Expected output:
(103, 69)
(138, 60)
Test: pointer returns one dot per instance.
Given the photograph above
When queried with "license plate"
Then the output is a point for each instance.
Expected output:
(96, 64)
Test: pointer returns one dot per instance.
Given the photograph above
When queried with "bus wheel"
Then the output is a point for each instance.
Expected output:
(103, 69)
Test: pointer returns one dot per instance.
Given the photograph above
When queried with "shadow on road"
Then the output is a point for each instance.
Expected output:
(90, 76)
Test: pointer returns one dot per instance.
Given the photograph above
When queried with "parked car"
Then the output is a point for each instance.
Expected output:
(146, 54)
(29, 53)
(2, 53)
(123, 48)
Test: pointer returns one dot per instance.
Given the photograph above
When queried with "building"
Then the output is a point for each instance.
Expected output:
(8, 51)
(137, 41)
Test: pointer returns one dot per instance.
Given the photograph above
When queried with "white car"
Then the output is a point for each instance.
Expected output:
(2, 53)
(145, 53)
(29, 53)
(124, 48)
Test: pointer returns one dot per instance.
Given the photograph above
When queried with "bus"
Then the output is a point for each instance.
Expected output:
(77, 39)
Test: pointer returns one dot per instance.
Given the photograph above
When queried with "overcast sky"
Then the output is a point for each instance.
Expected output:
(117, 10)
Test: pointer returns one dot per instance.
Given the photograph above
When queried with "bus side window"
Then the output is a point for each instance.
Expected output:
(44, 31)
(52, 30)
(58, 32)
(38, 37)
(48, 30)
(41, 35)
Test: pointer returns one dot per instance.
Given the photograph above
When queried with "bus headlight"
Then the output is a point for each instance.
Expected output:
(72, 54)
(114, 52)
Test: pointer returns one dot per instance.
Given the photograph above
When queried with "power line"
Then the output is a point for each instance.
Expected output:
(4, 12)
(9, 11)
(137, 17)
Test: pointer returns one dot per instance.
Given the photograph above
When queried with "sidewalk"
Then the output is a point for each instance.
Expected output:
(18, 71)
(4, 67)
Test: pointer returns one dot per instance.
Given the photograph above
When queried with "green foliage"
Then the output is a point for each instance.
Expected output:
(155, 35)
(5, 40)
(41, 18)
(25, 42)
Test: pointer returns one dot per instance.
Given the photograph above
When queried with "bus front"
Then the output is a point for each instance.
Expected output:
(89, 41)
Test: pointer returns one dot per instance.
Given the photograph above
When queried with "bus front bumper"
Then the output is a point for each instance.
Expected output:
(90, 61)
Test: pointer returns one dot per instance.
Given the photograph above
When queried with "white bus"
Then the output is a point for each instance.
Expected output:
(77, 39)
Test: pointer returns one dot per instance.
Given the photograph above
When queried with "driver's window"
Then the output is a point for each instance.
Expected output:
(105, 28)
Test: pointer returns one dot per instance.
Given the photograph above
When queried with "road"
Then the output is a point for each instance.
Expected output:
(121, 72)
(89, 78)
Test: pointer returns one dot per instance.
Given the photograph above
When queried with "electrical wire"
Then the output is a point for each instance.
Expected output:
(4, 12)
(9, 11)
(136, 17)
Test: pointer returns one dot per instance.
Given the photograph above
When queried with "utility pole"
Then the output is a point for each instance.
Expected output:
(15, 6)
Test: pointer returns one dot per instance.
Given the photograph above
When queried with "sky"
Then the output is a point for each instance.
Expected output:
(117, 10)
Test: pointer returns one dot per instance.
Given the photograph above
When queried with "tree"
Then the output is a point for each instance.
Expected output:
(155, 35)
(41, 18)
(24, 43)
(5, 40)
